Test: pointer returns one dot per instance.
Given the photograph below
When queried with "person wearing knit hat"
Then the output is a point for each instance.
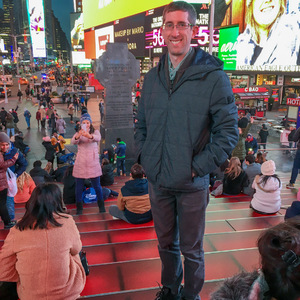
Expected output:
(4, 138)
(266, 199)
(271, 30)
(87, 163)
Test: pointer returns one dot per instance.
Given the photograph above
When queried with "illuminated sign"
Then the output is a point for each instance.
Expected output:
(102, 37)
(35, 9)
(227, 47)
(293, 101)
(98, 12)
(78, 57)
(132, 32)
(251, 89)
(272, 41)
(77, 33)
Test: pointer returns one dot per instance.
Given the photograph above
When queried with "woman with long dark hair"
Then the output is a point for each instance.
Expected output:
(41, 253)
(87, 164)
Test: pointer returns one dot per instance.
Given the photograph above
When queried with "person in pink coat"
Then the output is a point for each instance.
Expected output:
(87, 164)
(41, 253)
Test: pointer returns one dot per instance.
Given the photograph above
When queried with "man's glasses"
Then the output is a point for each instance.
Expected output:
(179, 26)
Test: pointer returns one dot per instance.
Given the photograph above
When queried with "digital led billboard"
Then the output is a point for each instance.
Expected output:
(77, 33)
(35, 9)
(269, 34)
(102, 37)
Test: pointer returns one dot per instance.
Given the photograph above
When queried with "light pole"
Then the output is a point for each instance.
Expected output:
(4, 80)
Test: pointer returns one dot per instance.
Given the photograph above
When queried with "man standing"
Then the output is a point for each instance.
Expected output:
(120, 151)
(296, 165)
(187, 127)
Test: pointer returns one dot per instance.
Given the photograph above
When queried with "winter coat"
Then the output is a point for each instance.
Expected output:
(10, 121)
(19, 143)
(240, 150)
(266, 198)
(251, 171)
(39, 175)
(21, 163)
(27, 114)
(293, 210)
(3, 114)
(121, 150)
(15, 115)
(69, 189)
(33, 258)
(43, 113)
(59, 143)
(263, 134)
(189, 128)
(50, 150)
(234, 186)
(107, 177)
(251, 145)
(23, 195)
(87, 163)
(4, 165)
(38, 115)
(71, 110)
(60, 126)
(134, 196)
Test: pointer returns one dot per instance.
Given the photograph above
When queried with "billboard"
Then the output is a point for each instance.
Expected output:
(77, 33)
(102, 37)
(98, 12)
(35, 9)
(78, 58)
(269, 34)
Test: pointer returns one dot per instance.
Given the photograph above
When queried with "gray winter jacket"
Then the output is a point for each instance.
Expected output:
(192, 127)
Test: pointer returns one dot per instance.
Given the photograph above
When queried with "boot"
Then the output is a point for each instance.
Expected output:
(101, 206)
(79, 207)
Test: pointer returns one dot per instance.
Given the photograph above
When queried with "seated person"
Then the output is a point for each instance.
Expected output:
(266, 199)
(133, 204)
(58, 174)
(38, 174)
(235, 178)
(278, 277)
(251, 144)
(261, 157)
(25, 186)
(107, 177)
(19, 143)
(293, 210)
(251, 169)
(104, 155)
(69, 186)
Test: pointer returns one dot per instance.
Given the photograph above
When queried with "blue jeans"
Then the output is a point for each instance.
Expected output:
(10, 130)
(10, 204)
(108, 192)
(121, 166)
(129, 216)
(180, 214)
(95, 184)
(27, 121)
(296, 167)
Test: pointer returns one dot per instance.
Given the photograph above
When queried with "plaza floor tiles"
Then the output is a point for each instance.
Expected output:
(144, 274)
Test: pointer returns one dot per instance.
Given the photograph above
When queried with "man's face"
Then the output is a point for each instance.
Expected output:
(178, 41)
(4, 147)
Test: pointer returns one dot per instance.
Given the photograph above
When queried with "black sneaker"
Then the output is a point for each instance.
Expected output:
(166, 294)
(10, 224)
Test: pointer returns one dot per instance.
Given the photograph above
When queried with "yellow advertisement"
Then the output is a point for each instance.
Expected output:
(98, 12)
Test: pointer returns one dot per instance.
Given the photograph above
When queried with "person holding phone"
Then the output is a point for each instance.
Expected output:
(87, 164)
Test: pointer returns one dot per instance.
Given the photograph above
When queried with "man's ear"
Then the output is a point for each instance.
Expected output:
(195, 31)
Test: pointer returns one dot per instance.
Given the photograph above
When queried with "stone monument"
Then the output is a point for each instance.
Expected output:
(118, 70)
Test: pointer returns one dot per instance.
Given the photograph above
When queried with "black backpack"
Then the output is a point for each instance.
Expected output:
(291, 136)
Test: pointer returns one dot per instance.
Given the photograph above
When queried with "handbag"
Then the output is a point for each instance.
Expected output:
(84, 262)
(12, 183)
(8, 291)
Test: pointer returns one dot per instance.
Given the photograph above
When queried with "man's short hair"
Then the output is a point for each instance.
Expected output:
(37, 163)
(118, 139)
(182, 6)
(250, 158)
(137, 171)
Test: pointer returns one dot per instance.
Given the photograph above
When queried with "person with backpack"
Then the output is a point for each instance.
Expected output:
(20, 94)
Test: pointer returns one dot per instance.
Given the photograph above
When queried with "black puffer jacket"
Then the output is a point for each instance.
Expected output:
(192, 127)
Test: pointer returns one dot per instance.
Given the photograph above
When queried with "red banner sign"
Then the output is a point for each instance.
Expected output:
(293, 101)
(251, 89)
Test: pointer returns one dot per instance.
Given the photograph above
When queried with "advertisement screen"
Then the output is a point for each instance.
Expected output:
(269, 33)
(98, 12)
(78, 58)
(35, 9)
(131, 31)
(102, 37)
(77, 33)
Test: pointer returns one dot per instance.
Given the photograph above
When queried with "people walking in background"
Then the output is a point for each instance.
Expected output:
(87, 165)
(266, 199)
(71, 112)
(27, 116)
(133, 205)
(38, 117)
(61, 126)
(10, 124)
(20, 94)
(120, 151)
(263, 135)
